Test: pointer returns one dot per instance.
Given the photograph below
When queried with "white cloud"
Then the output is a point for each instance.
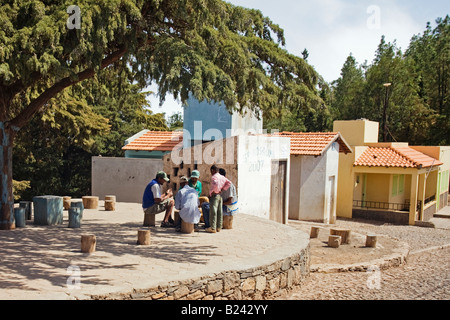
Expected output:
(332, 29)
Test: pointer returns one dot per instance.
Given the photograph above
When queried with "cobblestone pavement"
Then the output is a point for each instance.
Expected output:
(425, 276)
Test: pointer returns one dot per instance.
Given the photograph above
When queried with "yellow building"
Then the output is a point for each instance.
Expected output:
(392, 182)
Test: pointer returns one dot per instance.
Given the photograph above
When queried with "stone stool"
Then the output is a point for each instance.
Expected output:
(48, 210)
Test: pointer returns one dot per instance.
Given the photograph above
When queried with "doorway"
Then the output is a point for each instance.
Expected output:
(278, 191)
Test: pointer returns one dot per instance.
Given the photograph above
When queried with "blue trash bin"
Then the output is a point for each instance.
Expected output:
(78, 204)
(28, 208)
(74, 217)
(19, 216)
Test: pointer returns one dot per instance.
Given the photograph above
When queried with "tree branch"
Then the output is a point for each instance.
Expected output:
(28, 112)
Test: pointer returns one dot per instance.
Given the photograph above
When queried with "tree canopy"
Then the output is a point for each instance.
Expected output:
(418, 104)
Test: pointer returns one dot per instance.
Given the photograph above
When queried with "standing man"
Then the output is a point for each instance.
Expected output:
(218, 184)
(153, 202)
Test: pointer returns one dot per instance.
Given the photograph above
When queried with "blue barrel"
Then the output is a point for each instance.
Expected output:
(74, 217)
(78, 204)
(19, 215)
(28, 208)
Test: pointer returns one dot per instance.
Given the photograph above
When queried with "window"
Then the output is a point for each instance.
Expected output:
(398, 184)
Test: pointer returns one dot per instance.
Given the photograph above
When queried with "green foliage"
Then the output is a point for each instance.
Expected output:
(175, 121)
(89, 119)
(19, 187)
(418, 98)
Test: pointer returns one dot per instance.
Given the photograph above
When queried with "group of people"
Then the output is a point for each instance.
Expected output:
(222, 200)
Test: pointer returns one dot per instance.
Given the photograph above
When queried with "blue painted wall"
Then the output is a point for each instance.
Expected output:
(205, 122)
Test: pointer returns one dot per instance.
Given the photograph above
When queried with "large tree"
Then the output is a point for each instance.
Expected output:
(207, 48)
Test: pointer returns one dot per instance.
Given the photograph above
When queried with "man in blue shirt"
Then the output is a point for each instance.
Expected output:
(153, 202)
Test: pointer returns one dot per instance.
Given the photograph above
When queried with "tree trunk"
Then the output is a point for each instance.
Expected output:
(6, 191)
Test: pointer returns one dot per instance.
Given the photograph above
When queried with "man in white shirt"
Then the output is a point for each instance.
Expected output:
(186, 200)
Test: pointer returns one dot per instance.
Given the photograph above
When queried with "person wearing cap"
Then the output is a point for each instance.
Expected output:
(153, 202)
(186, 201)
(195, 183)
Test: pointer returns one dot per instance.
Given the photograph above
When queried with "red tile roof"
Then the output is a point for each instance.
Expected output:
(314, 143)
(156, 141)
(400, 157)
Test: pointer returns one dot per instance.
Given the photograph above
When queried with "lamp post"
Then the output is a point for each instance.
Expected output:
(386, 101)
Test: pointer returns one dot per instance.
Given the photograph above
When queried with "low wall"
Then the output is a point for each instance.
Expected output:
(394, 217)
(125, 178)
(265, 282)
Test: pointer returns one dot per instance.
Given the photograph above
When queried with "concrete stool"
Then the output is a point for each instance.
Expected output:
(314, 232)
(371, 241)
(110, 205)
(344, 233)
(48, 210)
(187, 228)
(28, 208)
(78, 204)
(228, 222)
(176, 216)
(67, 201)
(334, 241)
(143, 237)
(88, 243)
(74, 217)
(90, 202)
(149, 220)
(19, 216)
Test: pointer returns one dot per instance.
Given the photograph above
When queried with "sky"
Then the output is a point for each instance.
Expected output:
(331, 30)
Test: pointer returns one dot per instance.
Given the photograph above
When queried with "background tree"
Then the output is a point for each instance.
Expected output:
(211, 49)
(54, 152)
(430, 54)
(175, 121)
(348, 91)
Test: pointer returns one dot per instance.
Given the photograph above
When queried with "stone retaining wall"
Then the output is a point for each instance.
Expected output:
(265, 282)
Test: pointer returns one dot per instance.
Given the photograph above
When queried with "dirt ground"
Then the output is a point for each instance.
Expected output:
(352, 253)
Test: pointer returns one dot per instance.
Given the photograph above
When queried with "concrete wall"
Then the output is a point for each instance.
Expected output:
(255, 155)
(122, 177)
(313, 186)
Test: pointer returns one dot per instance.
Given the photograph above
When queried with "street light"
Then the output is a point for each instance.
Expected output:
(386, 101)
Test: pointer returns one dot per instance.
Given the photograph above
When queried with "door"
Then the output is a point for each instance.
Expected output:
(364, 187)
(278, 191)
(331, 212)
